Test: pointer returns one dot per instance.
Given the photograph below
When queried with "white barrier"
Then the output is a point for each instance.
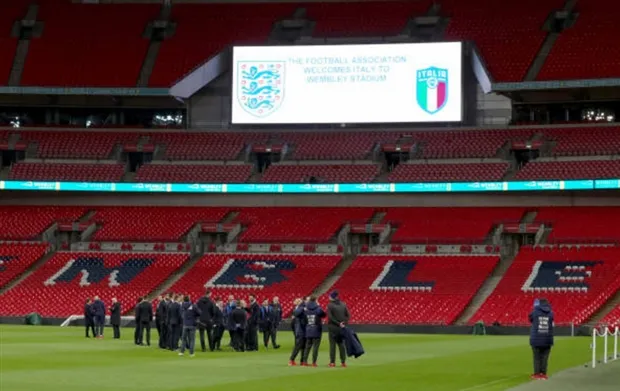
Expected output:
(74, 318)
(605, 334)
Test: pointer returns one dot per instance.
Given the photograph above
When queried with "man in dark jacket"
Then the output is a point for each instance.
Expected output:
(89, 321)
(276, 310)
(337, 318)
(191, 314)
(207, 312)
(136, 333)
(541, 336)
(219, 324)
(145, 317)
(99, 315)
(299, 329)
(175, 321)
(230, 305)
(238, 323)
(252, 328)
(161, 316)
(314, 330)
(266, 322)
(115, 318)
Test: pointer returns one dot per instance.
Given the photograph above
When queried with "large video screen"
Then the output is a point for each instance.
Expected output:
(382, 83)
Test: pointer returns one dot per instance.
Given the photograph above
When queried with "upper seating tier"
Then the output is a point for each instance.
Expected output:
(67, 172)
(341, 173)
(16, 258)
(28, 222)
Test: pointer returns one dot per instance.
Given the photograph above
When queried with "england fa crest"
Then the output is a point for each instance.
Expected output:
(260, 86)
(432, 89)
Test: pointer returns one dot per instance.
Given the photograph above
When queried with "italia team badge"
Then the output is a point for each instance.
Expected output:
(432, 89)
(260, 86)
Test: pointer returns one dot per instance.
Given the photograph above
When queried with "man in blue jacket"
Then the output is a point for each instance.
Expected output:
(99, 315)
(191, 314)
(299, 329)
(541, 337)
(314, 330)
(89, 322)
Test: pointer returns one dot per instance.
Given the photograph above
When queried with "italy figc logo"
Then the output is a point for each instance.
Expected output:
(432, 89)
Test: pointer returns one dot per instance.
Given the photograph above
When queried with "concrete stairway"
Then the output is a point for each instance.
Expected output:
(335, 274)
(485, 290)
(38, 263)
(605, 309)
(173, 278)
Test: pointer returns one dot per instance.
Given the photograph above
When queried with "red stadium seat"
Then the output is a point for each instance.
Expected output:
(28, 222)
(193, 173)
(16, 258)
(354, 173)
(67, 172)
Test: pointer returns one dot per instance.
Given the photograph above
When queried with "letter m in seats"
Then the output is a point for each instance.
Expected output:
(92, 270)
(552, 276)
(396, 276)
(4, 259)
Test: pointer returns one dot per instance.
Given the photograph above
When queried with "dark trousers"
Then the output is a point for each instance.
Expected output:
(541, 359)
(144, 330)
(188, 340)
(238, 340)
(117, 331)
(231, 335)
(268, 334)
(300, 345)
(252, 338)
(136, 334)
(175, 334)
(218, 333)
(90, 326)
(314, 344)
(335, 339)
(99, 322)
(163, 335)
(201, 331)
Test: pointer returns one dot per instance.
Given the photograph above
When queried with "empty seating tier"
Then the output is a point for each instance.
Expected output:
(589, 141)
(16, 258)
(77, 145)
(193, 173)
(334, 145)
(581, 169)
(297, 225)
(588, 49)
(577, 281)
(613, 317)
(448, 172)
(581, 224)
(494, 26)
(204, 146)
(152, 224)
(447, 225)
(265, 275)
(412, 289)
(62, 284)
(28, 222)
(88, 45)
(352, 173)
(67, 172)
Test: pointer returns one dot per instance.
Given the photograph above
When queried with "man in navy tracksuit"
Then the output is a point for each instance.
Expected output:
(191, 314)
(299, 329)
(314, 329)
(541, 337)
(99, 315)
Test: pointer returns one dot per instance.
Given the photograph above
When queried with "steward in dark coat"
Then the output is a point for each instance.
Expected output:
(314, 330)
(541, 336)
(115, 318)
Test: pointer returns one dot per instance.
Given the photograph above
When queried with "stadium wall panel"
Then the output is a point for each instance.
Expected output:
(589, 198)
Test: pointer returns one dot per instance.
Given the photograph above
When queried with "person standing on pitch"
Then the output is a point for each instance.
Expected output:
(145, 317)
(230, 305)
(191, 314)
(276, 310)
(266, 322)
(314, 330)
(175, 320)
(253, 320)
(541, 337)
(99, 313)
(89, 321)
(115, 318)
(207, 312)
(337, 318)
(299, 329)
(219, 324)
(136, 332)
(237, 322)
(161, 315)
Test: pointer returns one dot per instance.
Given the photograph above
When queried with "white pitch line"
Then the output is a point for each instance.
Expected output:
(488, 383)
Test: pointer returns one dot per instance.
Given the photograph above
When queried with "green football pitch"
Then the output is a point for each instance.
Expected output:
(61, 359)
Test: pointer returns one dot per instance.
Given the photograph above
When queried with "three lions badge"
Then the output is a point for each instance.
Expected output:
(260, 86)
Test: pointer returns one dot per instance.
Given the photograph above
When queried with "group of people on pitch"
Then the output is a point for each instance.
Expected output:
(94, 317)
(307, 325)
(178, 318)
